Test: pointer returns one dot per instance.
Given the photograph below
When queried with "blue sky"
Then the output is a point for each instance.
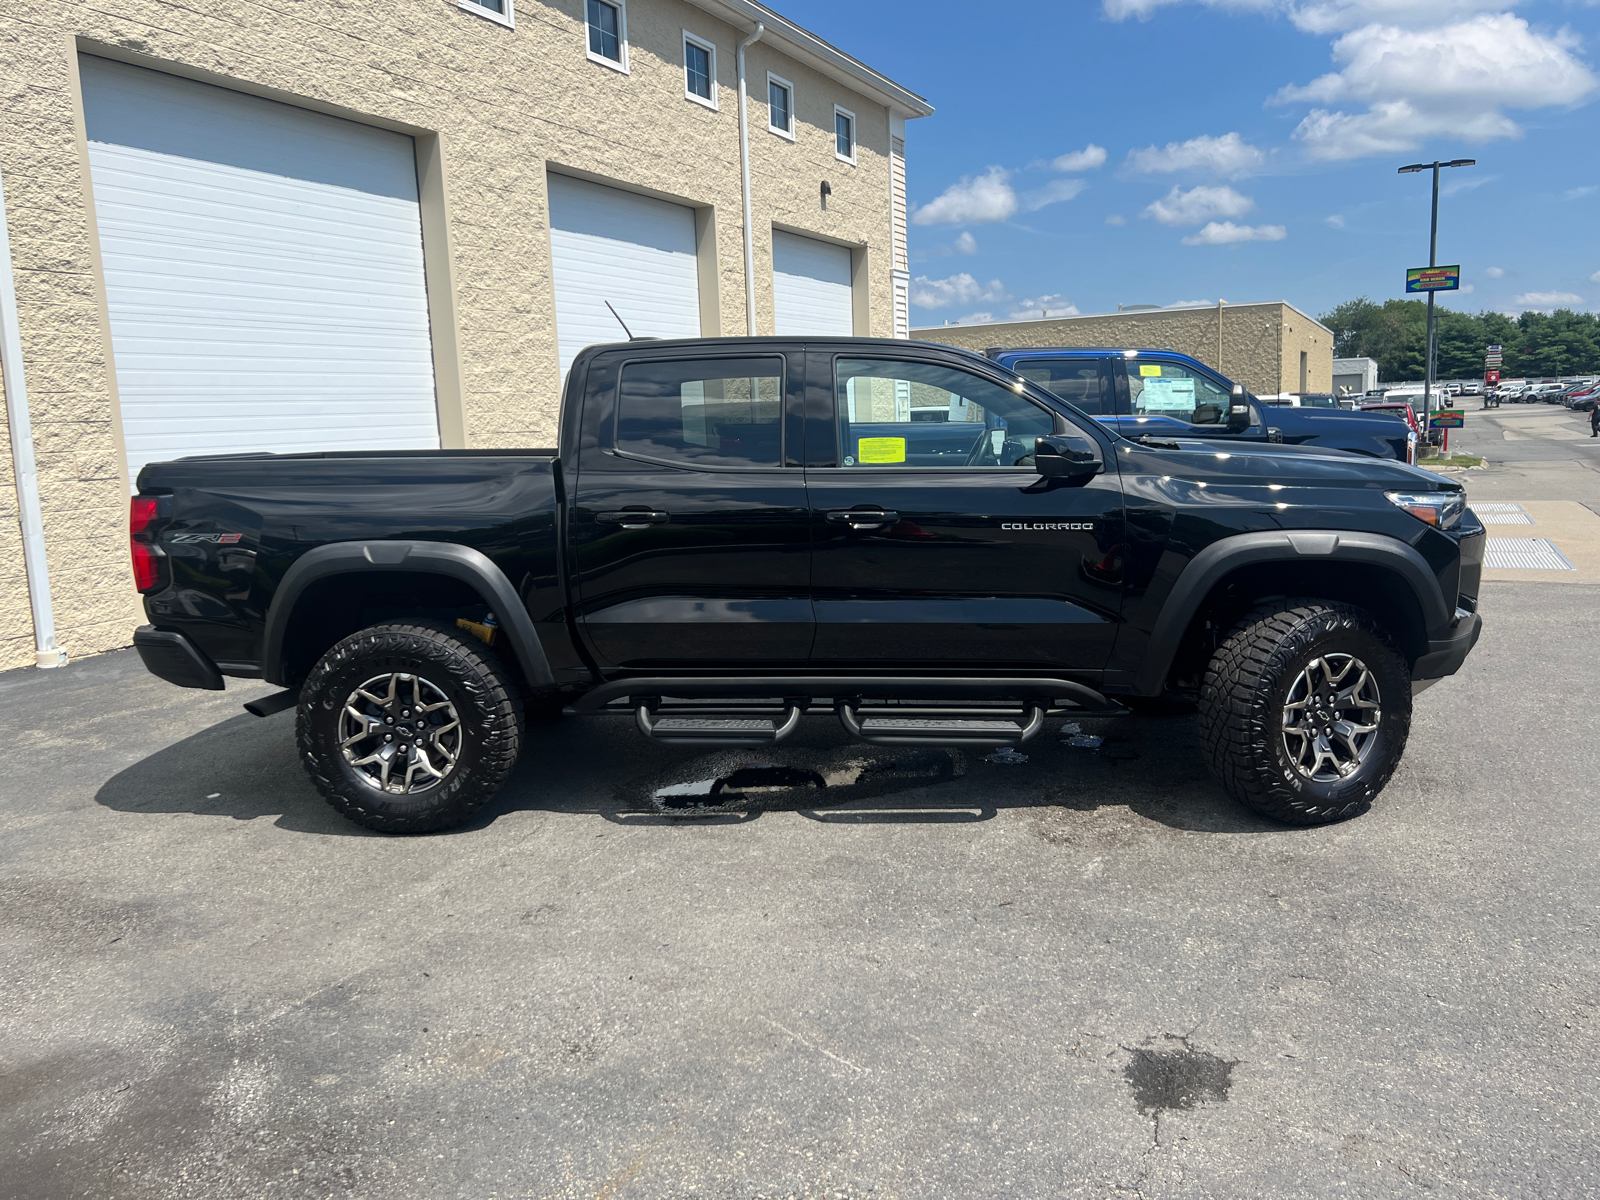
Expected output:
(1087, 153)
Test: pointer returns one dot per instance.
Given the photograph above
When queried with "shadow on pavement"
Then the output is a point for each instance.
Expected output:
(247, 768)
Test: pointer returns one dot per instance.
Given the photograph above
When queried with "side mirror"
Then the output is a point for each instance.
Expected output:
(1238, 409)
(1067, 456)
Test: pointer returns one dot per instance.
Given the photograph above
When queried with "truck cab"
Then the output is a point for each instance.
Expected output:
(1165, 394)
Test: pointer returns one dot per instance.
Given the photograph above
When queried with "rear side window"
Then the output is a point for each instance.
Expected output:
(720, 412)
(1077, 381)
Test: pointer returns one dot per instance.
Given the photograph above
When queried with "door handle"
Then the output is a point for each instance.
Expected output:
(863, 518)
(636, 519)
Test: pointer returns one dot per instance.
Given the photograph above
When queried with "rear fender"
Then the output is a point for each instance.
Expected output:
(463, 563)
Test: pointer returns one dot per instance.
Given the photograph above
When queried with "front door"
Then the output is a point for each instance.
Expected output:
(688, 522)
(935, 543)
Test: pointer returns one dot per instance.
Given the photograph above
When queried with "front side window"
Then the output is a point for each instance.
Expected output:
(912, 414)
(780, 106)
(1078, 381)
(844, 134)
(1170, 390)
(722, 412)
(699, 69)
(605, 30)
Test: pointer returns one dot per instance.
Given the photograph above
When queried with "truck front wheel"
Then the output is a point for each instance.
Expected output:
(1304, 711)
(409, 727)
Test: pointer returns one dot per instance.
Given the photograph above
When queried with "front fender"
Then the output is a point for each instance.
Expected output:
(1220, 558)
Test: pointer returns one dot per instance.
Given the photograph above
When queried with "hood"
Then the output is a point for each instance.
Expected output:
(1263, 463)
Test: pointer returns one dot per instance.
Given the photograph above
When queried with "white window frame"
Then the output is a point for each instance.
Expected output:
(855, 134)
(793, 120)
(691, 39)
(622, 37)
(507, 18)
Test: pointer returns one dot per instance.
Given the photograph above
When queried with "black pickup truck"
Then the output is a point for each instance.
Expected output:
(736, 532)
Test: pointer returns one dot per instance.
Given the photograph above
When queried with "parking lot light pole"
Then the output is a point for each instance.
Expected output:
(1429, 353)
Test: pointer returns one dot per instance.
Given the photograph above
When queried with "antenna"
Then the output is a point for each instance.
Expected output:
(620, 321)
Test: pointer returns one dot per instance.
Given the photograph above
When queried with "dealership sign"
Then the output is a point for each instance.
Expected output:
(1433, 279)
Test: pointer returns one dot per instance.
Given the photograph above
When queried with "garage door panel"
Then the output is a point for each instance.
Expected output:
(811, 292)
(263, 268)
(634, 251)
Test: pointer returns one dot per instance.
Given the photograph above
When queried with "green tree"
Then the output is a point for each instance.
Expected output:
(1462, 339)
(1395, 333)
(1350, 323)
(1559, 343)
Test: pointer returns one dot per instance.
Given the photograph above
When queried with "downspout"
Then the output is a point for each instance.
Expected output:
(744, 184)
(47, 653)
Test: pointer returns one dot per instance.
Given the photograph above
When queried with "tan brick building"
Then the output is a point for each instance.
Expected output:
(1269, 347)
(331, 224)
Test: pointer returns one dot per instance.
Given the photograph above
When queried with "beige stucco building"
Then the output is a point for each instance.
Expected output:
(350, 225)
(1269, 347)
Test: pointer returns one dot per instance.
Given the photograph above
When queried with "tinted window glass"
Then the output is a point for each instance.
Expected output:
(724, 412)
(603, 30)
(697, 66)
(1077, 381)
(1168, 390)
(778, 106)
(910, 414)
(844, 135)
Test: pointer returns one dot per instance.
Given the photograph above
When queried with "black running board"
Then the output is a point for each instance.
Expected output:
(1084, 699)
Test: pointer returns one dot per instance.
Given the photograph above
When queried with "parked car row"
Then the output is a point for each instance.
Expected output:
(1549, 391)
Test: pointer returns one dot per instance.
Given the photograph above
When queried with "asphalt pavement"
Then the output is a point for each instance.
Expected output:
(873, 973)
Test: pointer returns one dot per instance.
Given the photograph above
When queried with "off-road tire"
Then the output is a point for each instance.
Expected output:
(480, 686)
(1247, 685)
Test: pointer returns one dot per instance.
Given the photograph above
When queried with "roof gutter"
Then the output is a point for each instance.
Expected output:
(47, 653)
(812, 50)
(744, 187)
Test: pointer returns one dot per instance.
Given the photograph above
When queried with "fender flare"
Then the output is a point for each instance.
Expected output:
(470, 566)
(1299, 545)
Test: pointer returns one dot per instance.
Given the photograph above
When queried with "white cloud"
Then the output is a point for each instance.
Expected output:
(1053, 192)
(1456, 182)
(1547, 299)
(971, 201)
(976, 318)
(1595, 278)
(1326, 16)
(1450, 81)
(1578, 193)
(1337, 220)
(1116, 219)
(1043, 306)
(1087, 159)
(1198, 204)
(1192, 304)
(1226, 233)
(1469, 287)
(960, 288)
(1226, 155)
(1494, 272)
(965, 243)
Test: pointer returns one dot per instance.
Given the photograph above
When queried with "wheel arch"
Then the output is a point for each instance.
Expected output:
(445, 568)
(1381, 574)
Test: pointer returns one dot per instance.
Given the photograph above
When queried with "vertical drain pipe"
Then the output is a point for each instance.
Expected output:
(47, 653)
(744, 183)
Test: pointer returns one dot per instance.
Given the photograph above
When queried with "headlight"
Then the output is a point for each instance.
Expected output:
(1440, 509)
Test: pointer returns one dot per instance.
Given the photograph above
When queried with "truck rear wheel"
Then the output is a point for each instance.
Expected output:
(409, 727)
(1304, 711)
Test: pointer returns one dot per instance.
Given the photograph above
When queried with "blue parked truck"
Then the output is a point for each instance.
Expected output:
(1164, 394)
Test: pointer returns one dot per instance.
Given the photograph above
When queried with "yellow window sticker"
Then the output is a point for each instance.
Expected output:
(882, 450)
(1147, 369)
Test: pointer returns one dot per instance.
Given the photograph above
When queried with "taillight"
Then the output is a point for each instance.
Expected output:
(142, 511)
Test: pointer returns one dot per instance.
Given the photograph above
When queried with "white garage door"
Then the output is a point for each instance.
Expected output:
(633, 252)
(263, 271)
(811, 287)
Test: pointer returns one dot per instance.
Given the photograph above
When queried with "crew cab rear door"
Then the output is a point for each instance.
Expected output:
(687, 520)
(935, 542)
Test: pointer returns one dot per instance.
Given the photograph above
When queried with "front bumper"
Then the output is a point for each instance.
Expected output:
(173, 657)
(1446, 654)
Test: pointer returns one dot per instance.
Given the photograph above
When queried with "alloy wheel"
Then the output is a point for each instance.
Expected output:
(400, 733)
(1331, 718)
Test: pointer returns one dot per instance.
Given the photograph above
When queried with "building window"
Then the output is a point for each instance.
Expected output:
(844, 135)
(699, 70)
(780, 106)
(495, 10)
(608, 32)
